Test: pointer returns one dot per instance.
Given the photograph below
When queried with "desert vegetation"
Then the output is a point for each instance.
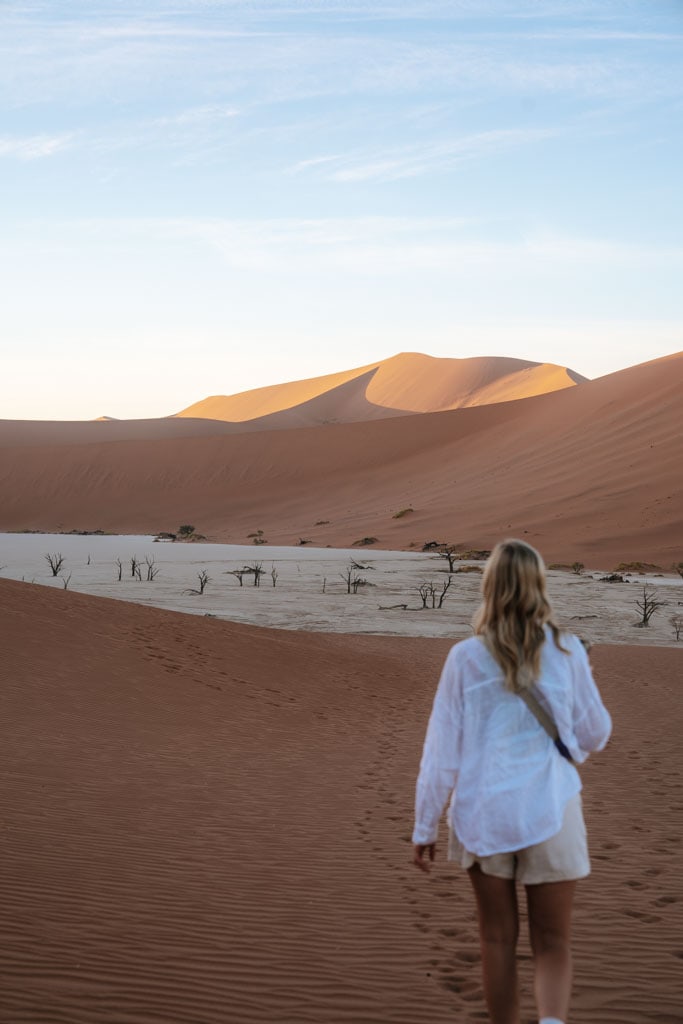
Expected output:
(204, 579)
(648, 605)
(428, 592)
(351, 578)
(319, 590)
(55, 561)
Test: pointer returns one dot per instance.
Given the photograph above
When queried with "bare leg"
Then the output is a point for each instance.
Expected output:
(550, 918)
(498, 932)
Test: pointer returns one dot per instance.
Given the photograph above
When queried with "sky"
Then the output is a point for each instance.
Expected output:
(201, 197)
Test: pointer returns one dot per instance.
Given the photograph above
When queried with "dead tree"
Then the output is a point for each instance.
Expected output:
(55, 561)
(152, 568)
(119, 564)
(444, 590)
(347, 576)
(66, 580)
(203, 578)
(649, 605)
(577, 568)
(257, 571)
(135, 567)
(351, 578)
(449, 553)
(677, 623)
(274, 575)
(428, 592)
(238, 574)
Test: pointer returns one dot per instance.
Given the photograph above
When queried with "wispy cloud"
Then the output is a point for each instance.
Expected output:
(209, 114)
(33, 147)
(430, 157)
(262, 51)
(379, 246)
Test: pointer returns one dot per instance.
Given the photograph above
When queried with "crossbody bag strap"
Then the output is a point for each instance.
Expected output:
(540, 713)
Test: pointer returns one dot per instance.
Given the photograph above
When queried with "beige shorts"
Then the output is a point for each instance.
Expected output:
(562, 858)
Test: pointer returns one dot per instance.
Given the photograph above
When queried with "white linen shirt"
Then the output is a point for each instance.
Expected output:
(485, 749)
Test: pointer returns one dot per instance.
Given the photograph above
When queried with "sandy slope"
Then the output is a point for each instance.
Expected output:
(208, 822)
(590, 472)
(408, 382)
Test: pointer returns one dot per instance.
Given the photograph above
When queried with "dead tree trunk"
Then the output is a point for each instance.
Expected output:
(152, 568)
(444, 590)
(449, 553)
(55, 561)
(649, 605)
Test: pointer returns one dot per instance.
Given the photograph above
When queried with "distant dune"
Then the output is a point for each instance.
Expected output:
(406, 383)
(589, 472)
(207, 822)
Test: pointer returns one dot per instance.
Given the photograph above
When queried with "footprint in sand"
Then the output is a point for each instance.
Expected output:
(640, 916)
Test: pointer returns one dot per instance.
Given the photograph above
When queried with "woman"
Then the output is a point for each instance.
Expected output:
(515, 809)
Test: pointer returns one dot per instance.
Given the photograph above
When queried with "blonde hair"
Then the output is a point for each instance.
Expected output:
(514, 610)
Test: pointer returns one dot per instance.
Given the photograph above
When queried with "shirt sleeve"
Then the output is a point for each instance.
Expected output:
(440, 756)
(592, 724)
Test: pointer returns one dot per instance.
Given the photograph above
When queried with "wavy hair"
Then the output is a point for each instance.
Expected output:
(514, 611)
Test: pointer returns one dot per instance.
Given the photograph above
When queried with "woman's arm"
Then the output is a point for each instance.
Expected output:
(439, 765)
(592, 724)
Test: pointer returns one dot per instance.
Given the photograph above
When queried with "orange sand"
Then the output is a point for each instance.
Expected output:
(208, 822)
(590, 472)
(409, 382)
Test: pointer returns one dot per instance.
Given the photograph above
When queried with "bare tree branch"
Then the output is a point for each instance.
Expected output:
(55, 561)
(649, 605)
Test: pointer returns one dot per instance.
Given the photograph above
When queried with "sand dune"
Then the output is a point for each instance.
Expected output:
(65, 432)
(409, 382)
(208, 822)
(590, 472)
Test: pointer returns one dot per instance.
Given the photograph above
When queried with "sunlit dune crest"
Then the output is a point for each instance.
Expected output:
(407, 383)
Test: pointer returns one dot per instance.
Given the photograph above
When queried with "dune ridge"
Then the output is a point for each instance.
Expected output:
(406, 383)
(589, 472)
(206, 822)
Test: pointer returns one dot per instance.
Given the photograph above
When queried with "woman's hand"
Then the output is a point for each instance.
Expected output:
(419, 851)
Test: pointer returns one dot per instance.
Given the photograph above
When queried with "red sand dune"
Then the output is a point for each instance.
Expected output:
(208, 822)
(589, 472)
(409, 382)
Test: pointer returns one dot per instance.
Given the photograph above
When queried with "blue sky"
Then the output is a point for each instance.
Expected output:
(205, 196)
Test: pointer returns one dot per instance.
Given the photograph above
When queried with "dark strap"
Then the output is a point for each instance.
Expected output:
(540, 713)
